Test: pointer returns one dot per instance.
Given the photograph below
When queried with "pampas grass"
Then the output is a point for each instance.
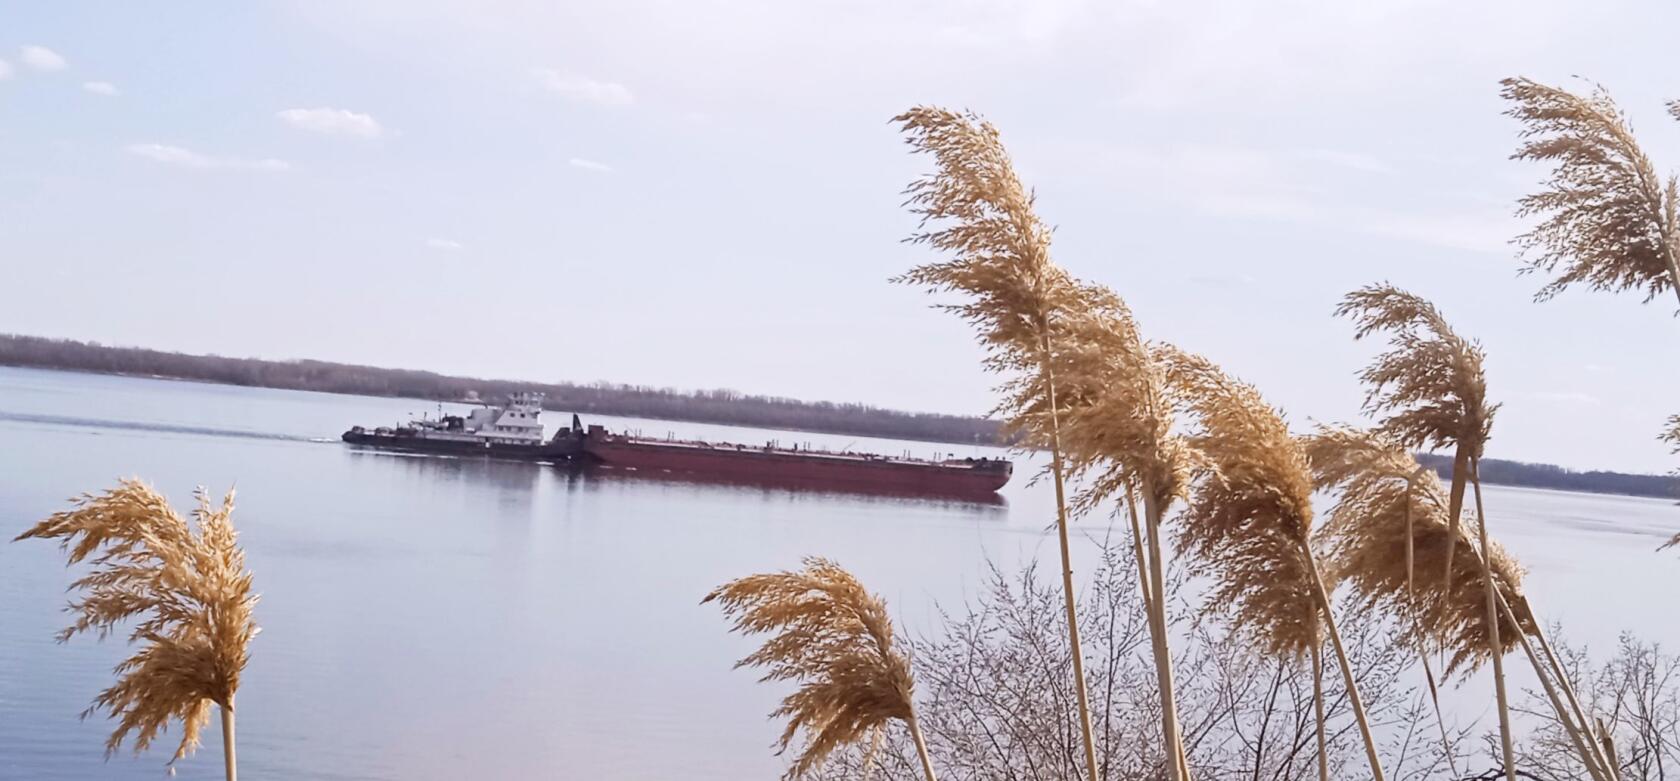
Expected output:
(1250, 522)
(835, 639)
(189, 591)
(976, 210)
(1607, 220)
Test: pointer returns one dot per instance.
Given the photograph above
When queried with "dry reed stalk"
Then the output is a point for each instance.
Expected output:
(1250, 521)
(834, 638)
(976, 209)
(190, 593)
(1431, 387)
(1118, 432)
(1607, 219)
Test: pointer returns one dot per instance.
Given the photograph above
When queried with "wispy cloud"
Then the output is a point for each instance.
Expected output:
(186, 158)
(589, 165)
(578, 87)
(5, 70)
(1237, 181)
(1565, 397)
(42, 59)
(100, 87)
(445, 244)
(332, 121)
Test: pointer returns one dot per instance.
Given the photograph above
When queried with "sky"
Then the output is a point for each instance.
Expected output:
(708, 194)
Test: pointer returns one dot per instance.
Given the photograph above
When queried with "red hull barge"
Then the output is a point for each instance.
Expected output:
(765, 463)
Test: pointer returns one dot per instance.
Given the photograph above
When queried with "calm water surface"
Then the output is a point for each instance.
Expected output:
(442, 618)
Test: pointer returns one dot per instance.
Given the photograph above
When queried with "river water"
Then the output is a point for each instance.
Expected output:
(446, 618)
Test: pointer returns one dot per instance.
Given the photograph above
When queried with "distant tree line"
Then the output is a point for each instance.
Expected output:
(704, 406)
(1518, 473)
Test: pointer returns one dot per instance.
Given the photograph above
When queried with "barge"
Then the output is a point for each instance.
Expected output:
(769, 463)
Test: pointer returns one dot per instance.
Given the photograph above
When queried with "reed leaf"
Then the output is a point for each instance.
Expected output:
(1377, 482)
(185, 587)
(1607, 220)
(835, 640)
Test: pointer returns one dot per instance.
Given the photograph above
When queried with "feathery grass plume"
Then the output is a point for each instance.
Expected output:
(976, 210)
(1607, 219)
(1389, 513)
(190, 593)
(1431, 387)
(1250, 520)
(1366, 530)
(835, 639)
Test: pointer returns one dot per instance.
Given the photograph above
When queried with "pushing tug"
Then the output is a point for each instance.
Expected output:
(771, 463)
(513, 431)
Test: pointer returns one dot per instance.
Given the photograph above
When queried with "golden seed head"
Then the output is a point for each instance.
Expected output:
(834, 638)
(188, 590)
(1607, 220)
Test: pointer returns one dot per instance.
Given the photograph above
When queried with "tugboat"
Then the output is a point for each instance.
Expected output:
(513, 431)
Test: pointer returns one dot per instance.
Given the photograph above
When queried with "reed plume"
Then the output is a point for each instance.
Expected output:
(1432, 391)
(1390, 520)
(1250, 522)
(190, 593)
(1385, 514)
(976, 210)
(835, 639)
(1607, 220)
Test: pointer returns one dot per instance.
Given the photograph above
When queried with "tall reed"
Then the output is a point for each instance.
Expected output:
(1249, 522)
(976, 210)
(1118, 432)
(1386, 523)
(1607, 219)
(190, 593)
(835, 639)
(1431, 391)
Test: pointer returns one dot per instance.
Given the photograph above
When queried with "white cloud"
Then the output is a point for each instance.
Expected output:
(187, 158)
(100, 87)
(588, 90)
(446, 244)
(332, 121)
(5, 70)
(43, 59)
(589, 165)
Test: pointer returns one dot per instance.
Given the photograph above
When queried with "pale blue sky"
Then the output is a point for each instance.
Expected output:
(707, 194)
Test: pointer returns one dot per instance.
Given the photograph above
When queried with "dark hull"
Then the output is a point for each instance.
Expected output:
(560, 448)
(798, 469)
